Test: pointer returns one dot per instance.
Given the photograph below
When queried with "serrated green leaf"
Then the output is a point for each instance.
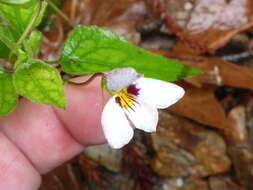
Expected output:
(20, 16)
(91, 49)
(8, 39)
(32, 44)
(8, 95)
(40, 82)
(14, 2)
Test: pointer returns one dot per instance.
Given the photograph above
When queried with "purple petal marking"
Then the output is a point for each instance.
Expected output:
(117, 100)
(132, 89)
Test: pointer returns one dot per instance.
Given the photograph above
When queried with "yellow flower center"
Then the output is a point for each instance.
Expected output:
(126, 97)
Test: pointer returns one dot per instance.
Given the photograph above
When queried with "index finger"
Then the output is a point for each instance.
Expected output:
(49, 136)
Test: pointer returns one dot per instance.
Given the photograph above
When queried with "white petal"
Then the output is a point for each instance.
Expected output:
(143, 116)
(158, 93)
(117, 128)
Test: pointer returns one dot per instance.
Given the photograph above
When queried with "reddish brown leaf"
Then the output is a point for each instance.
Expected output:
(200, 105)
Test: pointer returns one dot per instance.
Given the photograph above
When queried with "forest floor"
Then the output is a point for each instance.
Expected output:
(203, 142)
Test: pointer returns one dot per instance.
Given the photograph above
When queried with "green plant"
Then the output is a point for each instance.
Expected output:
(87, 50)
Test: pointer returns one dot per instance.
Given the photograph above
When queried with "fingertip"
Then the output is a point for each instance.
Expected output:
(83, 112)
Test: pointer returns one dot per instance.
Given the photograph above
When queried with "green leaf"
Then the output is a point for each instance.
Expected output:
(32, 44)
(40, 82)
(8, 39)
(7, 36)
(8, 95)
(91, 49)
(14, 2)
(4, 51)
(20, 16)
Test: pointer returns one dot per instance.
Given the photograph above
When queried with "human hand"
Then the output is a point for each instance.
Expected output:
(35, 138)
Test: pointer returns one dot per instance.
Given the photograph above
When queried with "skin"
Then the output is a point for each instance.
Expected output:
(36, 138)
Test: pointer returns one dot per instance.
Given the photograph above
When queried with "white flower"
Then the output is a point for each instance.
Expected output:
(134, 104)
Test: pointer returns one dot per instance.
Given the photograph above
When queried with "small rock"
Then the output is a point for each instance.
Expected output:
(171, 184)
(242, 158)
(242, 153)
(120, 181)
(183, 148)
(188, 6)
(106, 156)
(237, 132)
(180, 184)
(217, 183)
(196, 184)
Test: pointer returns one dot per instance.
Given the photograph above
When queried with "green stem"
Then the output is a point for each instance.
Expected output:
(109, 91)
(28, 29)
(62, 14)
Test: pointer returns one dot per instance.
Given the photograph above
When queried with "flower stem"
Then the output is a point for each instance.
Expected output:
(87, 81)
(62, 14)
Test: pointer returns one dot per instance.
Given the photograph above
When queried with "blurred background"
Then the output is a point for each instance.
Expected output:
(205, 141)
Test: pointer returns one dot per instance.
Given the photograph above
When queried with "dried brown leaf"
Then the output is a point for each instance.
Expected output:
(200, 105)
(214, 22)
(218, 14)
(121, 17)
